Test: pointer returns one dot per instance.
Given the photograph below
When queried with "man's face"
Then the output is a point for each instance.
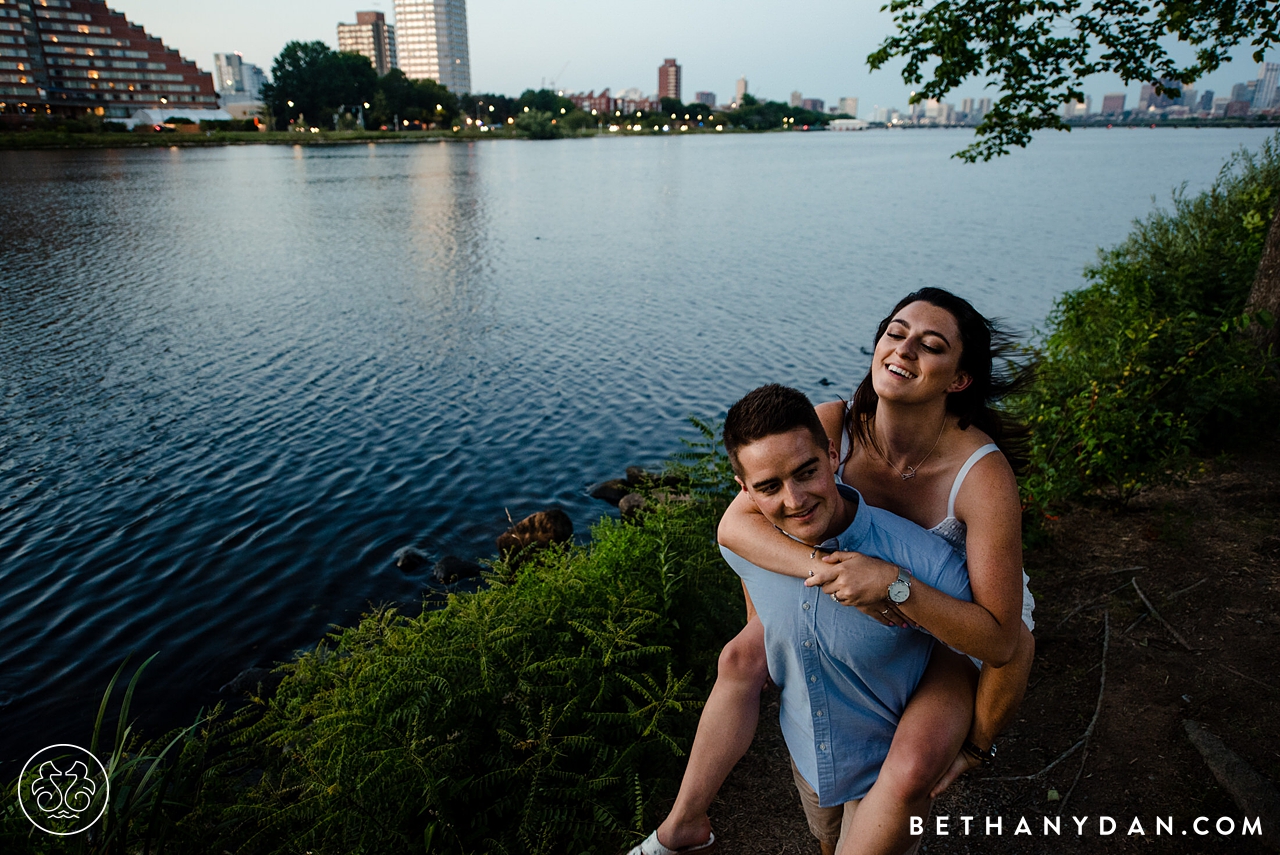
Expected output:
(792, 481)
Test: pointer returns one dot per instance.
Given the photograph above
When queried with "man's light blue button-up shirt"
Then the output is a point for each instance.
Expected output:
(845, 678)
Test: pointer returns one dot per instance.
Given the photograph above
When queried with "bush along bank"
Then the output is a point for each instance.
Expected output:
(1148, 364)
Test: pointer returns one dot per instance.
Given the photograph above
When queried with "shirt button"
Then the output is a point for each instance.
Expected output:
(808, 644)
(819, 713)
(822, 746)
(805, 607)
(813, 679)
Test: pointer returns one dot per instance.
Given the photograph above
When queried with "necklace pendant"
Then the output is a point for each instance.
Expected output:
(908, 475)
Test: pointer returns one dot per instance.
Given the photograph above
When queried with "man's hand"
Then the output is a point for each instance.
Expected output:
(860, 581)
(963, 763)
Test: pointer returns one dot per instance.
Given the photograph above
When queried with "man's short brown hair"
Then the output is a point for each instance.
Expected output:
(767, 411)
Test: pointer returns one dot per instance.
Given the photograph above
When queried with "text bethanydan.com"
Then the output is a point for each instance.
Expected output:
(1103, 826)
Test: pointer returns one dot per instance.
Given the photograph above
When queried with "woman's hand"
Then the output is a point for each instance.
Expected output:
(860, 581)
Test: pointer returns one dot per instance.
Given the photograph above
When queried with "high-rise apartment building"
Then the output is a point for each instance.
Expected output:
(707, 98)
(797, 98)
(237, 81)
(370, 36)
(740, 90)
(669, 80)
(75, 56)
(431, 42)
(1113, 104)
(849, 106)
(1268, 76)
(815, 105)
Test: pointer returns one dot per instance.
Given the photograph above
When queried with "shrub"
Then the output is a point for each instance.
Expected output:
(1146, 364)
(536, 124)
(545, 714)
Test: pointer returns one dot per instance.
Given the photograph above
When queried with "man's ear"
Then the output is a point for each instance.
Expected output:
(833, 453)
(963, 381)
(740, 484)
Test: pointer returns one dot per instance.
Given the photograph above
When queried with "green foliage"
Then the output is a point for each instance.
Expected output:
(153, 789)
(319, 81)
(537, 125)
(398, 97)
(544, 100)
(542, 715)
(1147, 364)
(1038, 54)
(759, 115)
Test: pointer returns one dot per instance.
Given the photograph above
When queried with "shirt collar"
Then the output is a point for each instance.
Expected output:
(853, 536)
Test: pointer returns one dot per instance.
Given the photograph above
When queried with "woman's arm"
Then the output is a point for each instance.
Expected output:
(745, 531)
(989, 627)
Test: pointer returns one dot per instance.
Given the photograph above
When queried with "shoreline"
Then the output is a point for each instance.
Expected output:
(32, 140)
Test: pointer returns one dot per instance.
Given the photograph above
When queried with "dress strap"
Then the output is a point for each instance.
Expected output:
(964, 471)
(844, 445)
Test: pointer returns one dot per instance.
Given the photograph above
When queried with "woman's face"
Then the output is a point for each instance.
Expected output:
(918, 357)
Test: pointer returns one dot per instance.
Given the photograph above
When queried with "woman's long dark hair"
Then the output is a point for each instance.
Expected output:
(986, 355)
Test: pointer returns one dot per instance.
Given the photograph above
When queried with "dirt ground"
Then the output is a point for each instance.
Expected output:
(1207, 556)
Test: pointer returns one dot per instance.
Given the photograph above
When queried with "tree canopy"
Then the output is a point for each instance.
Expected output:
(320, 81)
(1037, 53)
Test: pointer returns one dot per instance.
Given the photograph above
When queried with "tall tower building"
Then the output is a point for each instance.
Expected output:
(78, 56)
(370, 36)
(1268, 76)
(740, 90)
(431, 42)
(237, 81)
(669, 80)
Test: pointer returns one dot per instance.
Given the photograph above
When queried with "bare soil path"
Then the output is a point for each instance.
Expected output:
(1206, 555)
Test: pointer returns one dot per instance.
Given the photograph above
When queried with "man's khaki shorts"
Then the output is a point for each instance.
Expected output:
(830, 824)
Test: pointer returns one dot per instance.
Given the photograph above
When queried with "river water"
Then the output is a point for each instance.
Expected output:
(235, 381)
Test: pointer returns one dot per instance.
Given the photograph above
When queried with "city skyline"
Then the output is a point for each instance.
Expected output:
(520, 45)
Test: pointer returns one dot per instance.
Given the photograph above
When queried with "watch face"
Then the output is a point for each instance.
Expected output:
(899, 591)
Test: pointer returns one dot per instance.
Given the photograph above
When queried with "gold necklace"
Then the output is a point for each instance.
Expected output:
(911, 470)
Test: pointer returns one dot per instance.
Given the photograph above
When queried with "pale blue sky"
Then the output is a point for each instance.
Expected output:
(818, 47)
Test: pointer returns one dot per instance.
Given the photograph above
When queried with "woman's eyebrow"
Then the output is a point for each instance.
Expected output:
(926, 332)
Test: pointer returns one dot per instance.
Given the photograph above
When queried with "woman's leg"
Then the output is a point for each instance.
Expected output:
(929, 735)
(1000, 692)
(725, 730)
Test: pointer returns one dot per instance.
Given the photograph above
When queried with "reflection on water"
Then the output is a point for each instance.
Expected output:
(233, 382)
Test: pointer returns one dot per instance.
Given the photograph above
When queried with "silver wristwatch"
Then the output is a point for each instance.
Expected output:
(900, 588)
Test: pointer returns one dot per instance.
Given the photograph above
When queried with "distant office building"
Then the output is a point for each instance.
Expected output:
(797, 98)
(73, 57)
(1240, 92)
(237, 81)
(849, 106)
(966, 106)
(1265, 91)
(1188, 98)
(1149, 99)
(1237, 110)
(984, 106)
(740, 90)
(1206, 102)
(1076, 109)
(1219, 108)
(370, 36)
(815, 105)
(431, 42)
(669, 82)
(707, 98)
(1113, 104)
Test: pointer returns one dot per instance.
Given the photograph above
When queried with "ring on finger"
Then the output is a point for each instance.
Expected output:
(834, 598)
